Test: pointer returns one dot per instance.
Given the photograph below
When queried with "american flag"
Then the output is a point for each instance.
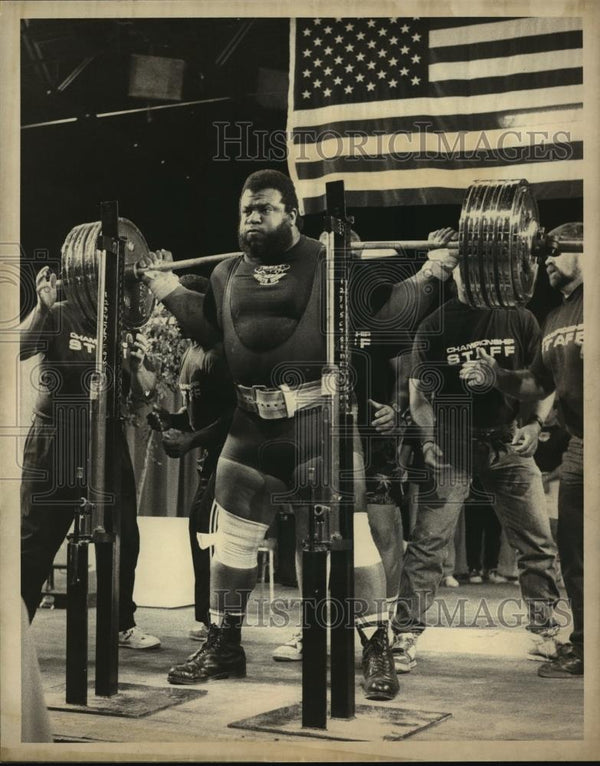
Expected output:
(413, 110)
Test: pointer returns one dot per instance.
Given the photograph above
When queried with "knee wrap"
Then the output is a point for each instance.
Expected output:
(237, 540)
(365, 550)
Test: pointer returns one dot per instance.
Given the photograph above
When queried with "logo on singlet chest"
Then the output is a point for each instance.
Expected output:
(270, 275)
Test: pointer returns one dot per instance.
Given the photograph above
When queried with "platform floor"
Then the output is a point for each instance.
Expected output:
(478, 671)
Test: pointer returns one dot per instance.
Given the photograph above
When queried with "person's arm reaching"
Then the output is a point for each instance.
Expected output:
(521, 384)
(421, 411)
(177, 443)
(34, 324)
(142, 372)
(525, 440)
(187, 306)
(392, 300)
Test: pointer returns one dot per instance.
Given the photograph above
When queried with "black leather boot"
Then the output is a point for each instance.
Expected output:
(220, 657)
(380, 679)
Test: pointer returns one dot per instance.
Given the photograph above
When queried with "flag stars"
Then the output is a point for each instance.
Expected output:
(360, 56)
(415, 59)
(371, 65)
(371, 44)
(307, 32)
(327, 92)
(317, 62)
(404, 72)
(349, 27)
(349, 67)
(317, 22)
(327, 30)
(416, 38)
(306, 53)
(349, 47)
(382, 53)
(381, 74)
(337, 80)
(360, 36)
(393, 83)
(328, 50)
(348, 89)
(339, 39)
(415, 81)
(382, 32)
(337, 60)
(393, 20)
(393, 40)
(305, 94)
(306, 73)
(393, 61)
(404, 50)
(370, 86)
(327, 71)
(317, 41)
(360, 77)
(317, 83)
(371, 23)
(405, 29)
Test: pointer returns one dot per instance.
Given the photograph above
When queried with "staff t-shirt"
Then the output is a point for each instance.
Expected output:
(449, 337)
(559, 361)
(68, 348)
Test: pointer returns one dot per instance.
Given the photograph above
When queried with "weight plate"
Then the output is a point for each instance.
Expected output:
(498, 225)
(80, 269)
(138, 300)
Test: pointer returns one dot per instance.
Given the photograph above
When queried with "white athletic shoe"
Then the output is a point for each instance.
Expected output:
(291, 651)
(450, 582)
(495, 578)
(404, 651)
(198, 632)
(544, 646)
(134, 638)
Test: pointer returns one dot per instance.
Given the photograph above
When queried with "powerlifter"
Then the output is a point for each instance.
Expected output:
(266, 308)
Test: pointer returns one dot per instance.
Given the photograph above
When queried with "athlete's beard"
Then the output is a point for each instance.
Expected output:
(558, 280)
(270, 247)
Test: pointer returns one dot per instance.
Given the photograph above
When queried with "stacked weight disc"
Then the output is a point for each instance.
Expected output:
(498, 225)
(80, 270)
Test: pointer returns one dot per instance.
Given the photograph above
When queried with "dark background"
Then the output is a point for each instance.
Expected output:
(159, 164)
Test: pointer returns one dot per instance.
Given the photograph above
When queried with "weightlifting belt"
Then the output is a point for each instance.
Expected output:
(281, 402)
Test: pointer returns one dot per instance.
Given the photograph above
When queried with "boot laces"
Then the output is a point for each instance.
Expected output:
(376, 656)
(213, 640)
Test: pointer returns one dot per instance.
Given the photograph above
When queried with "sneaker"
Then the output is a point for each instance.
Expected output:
(199, 632)
(545, 645)
(380, 679)
(495, 578)
(218, 658)
(291, 651)
(475, 577)
(404, 652)
(450, 582)
(134, 638)
(566, 665)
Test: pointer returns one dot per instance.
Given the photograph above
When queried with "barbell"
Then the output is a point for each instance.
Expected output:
(500, 244)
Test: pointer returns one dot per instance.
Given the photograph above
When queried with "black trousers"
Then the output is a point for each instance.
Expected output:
(200, 521)
(51, 489)
(570, 534)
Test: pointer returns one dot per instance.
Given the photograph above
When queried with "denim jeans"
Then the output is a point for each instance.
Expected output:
(570, 534)
(516, 484)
